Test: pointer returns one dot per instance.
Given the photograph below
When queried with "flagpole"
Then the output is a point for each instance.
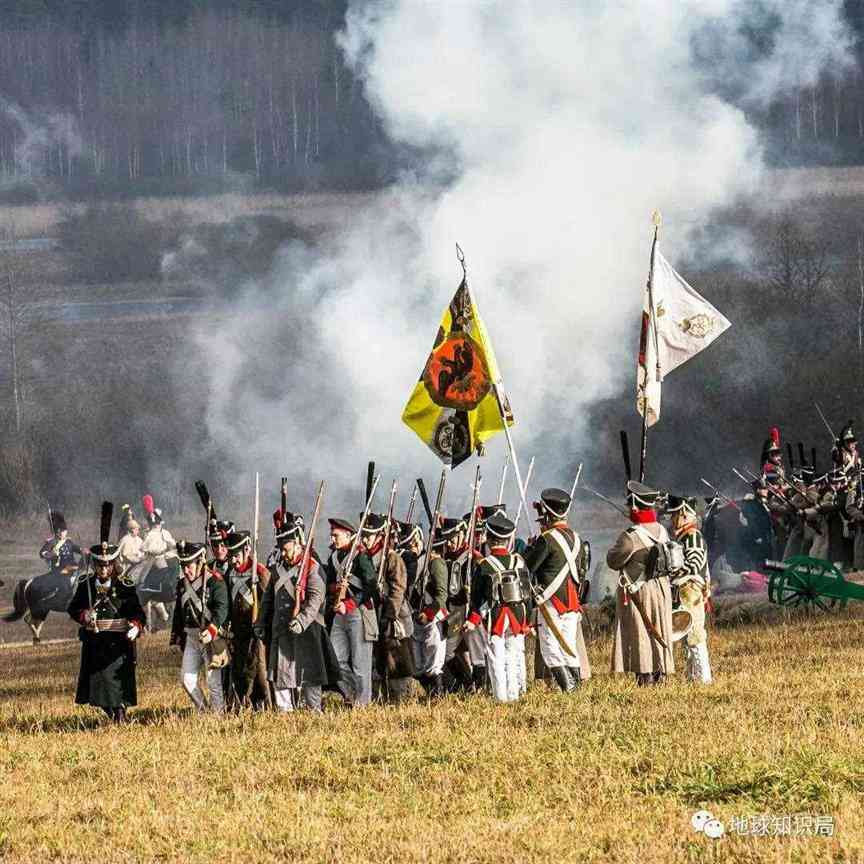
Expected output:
(498, 398)
(652, 325)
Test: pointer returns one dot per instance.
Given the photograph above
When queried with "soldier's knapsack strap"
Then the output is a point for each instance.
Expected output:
(239, 586)
(285, 582)
(192, 598)
(570, 568)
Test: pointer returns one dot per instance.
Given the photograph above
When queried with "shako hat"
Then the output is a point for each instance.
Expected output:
(375, 523)
(678, 503)
(105, 552)
(640, 496)
(848, 433)
(555, 501)
(188, 552)
(448, 527)
(484, 513)
(498, 525)
(219, 529)
(343, 524)
(406, 532)
(291, 526)
(237, 540)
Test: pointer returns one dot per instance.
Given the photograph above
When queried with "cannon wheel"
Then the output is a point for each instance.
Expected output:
(799, 584)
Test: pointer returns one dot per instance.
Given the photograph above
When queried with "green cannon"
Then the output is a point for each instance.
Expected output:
(811, 583)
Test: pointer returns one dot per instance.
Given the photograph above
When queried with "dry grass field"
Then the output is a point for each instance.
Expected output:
(612, 773)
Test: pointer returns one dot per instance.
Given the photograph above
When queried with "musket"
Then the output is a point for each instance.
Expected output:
(283, 499)
(254, 579)
(355, 545)
(500, 498)
(472, 533)
(387, 528)
(722, 497)
(527, 481)
(608, 501)
(420, 583)
(777, 494)
(303, 578)
(411, 504)
(827, 424)
(576, 481)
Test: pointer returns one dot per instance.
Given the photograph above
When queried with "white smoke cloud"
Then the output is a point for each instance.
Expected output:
(560, 127)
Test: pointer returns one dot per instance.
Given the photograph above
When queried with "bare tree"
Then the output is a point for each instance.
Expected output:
(796, 265)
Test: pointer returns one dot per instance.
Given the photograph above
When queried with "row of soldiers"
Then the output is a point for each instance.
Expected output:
(819, 515)
(383, 609)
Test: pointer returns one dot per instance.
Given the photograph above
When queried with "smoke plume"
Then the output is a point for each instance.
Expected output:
(543, 137)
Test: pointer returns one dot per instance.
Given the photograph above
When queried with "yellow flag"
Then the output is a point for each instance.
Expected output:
(459, 401)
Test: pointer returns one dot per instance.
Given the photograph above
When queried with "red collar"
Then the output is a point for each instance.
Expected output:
(499, 550)
(643, 517)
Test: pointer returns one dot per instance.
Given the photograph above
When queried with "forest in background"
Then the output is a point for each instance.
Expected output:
(116, 99)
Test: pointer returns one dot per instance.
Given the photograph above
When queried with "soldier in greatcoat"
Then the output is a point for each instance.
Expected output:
(111, 619)
(352, 596)
(301, 657)
(637, 649)
(394, 658)
(553, 559)
(458, 673)
(500, 610)
(249, 686)
(198, 628)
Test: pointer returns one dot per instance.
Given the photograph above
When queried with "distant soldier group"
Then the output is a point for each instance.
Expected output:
(389, 605)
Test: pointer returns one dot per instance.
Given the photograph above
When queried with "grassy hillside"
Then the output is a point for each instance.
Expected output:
(613, 773)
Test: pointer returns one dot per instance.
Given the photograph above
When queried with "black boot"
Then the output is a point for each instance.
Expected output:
(643, 679)
(658, 677)
(478, 679)
(120, 715)
(450, 679)
(438, 688)
(562, 679)
(575, 676)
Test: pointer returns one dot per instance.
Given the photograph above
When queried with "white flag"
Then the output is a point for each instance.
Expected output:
(682, 325)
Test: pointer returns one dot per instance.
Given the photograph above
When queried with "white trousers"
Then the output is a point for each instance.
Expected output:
(291, 698)
(354, 654)
(506, 666)
(476, 641)
(193, 661)
(550, 649)
(430, 648)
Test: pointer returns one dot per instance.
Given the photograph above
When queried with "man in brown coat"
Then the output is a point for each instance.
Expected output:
(638, 649)
(394, 657)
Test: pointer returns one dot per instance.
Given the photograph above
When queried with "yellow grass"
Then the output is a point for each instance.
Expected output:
(612, 773)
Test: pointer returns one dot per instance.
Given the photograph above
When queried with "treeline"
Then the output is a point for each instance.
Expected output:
(169, 96)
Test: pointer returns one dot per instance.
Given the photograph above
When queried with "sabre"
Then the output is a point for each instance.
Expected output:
(827, 424)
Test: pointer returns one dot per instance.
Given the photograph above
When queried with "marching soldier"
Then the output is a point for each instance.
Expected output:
(216, 534)
(500, 610)
(62, 555)
(409, 545)
(458, 673)
(643, 608)
(693, 583)
(394, 657)
(429, 599)
(200, 618)
(354, 627)
(845, 453)
(111, 619)
(803, 495)
(759, 538)
(553, 559)
(248, 658)
(302, 660)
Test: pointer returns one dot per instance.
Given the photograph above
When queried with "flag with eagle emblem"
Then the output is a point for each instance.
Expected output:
(681, 324)
(459, 401)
